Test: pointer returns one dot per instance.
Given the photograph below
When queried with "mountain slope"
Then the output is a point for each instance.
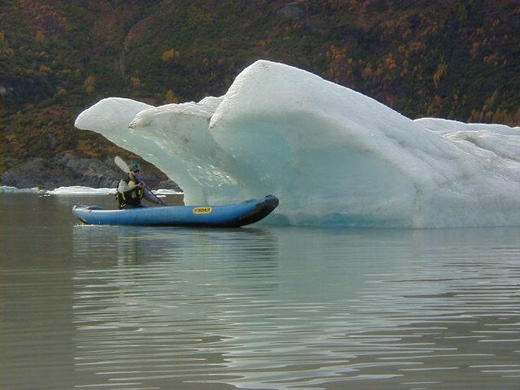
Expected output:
(457, 60)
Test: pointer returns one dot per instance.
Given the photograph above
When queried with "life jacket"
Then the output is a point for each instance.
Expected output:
(131, 198)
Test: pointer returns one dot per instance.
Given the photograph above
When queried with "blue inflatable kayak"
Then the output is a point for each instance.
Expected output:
(235, 215)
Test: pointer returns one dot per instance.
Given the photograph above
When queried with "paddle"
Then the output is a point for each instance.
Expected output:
(124, 167)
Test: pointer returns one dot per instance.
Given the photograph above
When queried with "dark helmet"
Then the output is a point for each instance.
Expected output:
(134, 166)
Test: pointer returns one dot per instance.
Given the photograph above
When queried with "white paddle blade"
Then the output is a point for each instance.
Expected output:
(121, 164)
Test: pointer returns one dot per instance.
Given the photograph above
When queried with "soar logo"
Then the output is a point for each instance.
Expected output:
(202, 210)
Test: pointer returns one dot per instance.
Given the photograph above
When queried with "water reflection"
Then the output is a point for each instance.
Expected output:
(148, 301)
(146, 308)
(296, 308)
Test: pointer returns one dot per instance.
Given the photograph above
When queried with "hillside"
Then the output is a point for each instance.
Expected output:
(458, 60)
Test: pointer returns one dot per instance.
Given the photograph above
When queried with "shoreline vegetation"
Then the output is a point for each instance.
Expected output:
(453, 60)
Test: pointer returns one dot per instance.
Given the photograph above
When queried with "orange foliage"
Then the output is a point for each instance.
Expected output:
(171, 97)
(390, 62)
(169, 55)
(89, 84)
(441, 71)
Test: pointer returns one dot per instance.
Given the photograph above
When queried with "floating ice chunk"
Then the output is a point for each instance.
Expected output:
(15, 190)
(80, 190)
(332, 155)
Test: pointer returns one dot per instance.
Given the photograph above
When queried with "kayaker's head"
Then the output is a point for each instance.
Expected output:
(134, 167)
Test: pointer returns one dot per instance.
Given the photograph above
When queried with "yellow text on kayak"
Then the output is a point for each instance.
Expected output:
(202, 210)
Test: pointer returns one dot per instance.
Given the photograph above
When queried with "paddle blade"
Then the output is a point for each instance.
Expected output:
(121, 164)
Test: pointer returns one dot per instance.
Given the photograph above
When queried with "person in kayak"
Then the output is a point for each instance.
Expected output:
(131, 190)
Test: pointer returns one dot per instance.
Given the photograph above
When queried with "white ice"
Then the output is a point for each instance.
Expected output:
(15, 190)
(76, 190)
(80, 190)
(332, 155)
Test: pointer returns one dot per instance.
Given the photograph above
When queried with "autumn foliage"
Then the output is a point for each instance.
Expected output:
(458, 60)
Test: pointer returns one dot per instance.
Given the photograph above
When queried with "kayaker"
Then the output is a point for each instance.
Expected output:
(131, 190)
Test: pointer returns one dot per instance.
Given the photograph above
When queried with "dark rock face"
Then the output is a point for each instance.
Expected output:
(69, 170)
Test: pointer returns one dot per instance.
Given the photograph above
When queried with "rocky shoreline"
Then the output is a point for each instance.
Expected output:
(66, 169)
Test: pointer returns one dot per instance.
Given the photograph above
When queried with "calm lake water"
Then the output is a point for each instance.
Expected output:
(262, 307)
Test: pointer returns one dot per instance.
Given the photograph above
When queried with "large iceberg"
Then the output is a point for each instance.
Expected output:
(332, 155)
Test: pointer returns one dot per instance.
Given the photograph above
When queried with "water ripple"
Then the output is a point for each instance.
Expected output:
(255, 311)
(261, 308)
